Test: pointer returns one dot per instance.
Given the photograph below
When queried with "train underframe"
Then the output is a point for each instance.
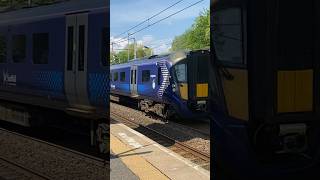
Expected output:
(165, 111)
(161, 109)
(37, 117)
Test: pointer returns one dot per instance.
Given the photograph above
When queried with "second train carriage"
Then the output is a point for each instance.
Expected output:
(172, 84)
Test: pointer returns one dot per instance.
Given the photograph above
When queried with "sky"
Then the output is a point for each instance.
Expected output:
(125, 14)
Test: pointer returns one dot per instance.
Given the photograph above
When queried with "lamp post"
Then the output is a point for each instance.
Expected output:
(128, 47)
(135, 48)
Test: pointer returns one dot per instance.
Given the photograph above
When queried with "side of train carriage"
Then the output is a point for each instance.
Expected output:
(168, 85)
(55, 56)
(265, 100)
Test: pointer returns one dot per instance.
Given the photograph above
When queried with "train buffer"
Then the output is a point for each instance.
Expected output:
(143, 158)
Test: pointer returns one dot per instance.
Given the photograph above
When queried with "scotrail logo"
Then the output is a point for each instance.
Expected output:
(9, 79)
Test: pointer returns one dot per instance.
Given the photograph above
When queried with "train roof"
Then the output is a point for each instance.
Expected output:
(52, 10)
(173, 58)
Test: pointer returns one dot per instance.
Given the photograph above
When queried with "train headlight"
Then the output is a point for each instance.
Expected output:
(174, 88)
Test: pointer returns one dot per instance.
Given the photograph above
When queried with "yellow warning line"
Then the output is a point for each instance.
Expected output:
(139, 166)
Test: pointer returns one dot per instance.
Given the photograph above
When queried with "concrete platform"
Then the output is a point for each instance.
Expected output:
(119, 170)
(149, 160)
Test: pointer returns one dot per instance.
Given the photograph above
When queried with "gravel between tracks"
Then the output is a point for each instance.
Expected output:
(179, 133)
(53, 162)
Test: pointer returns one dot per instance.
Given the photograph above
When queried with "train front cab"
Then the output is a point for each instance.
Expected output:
(189, 79)
(265, 89)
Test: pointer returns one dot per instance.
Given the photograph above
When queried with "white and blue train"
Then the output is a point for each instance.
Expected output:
(55, 56)
(168, 85)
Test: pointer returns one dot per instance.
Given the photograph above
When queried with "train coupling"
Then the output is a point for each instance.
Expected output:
(293, 138)
(200, 105)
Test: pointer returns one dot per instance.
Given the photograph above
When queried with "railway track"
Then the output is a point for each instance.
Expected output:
(96, 159)
(11, 170)
(24, 157)
(199, 128)
(202, 127)
(198, 157)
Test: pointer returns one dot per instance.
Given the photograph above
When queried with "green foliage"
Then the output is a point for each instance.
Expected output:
(122, 56)
(196, 37)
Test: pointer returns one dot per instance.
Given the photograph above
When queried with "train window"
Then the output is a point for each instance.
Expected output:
(159, 75)
(181, 72)
(70, 49)
(3, 49)
(115, 76)
(122, 76)
(227, 36)
(40, 48)
(135, 77)
(145, 75)
(104, 47)
(19, 48)
(81, 48)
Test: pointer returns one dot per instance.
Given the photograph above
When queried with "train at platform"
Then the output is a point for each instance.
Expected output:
(55, 57)
(264, 77)
(169, 85)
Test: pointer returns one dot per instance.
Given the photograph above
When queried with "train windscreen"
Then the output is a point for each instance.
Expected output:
(228, 35)
(181, 72)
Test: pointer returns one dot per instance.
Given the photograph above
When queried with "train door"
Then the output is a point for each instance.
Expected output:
(76, 59)
(134, 80)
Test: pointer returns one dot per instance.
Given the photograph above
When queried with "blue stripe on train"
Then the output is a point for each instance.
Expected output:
(124, 87)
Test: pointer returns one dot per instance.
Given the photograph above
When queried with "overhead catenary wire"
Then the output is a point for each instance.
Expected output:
(151, 46)
(149, 25)
(148, 19)
(156, 47)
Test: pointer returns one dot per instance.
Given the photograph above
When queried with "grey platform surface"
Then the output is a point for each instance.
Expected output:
(119, 170)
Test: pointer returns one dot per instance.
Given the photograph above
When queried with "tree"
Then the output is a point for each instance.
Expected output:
(122, 56)
(196, 37)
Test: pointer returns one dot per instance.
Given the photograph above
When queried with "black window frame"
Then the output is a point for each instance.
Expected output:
(115, 76)
(104, 48)
(122, 76)
(143, 76)
(70, 47)
(300, 53)
(4, 56)
(37, 48)
(184, 62)
(243, 63)
(15, 48)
